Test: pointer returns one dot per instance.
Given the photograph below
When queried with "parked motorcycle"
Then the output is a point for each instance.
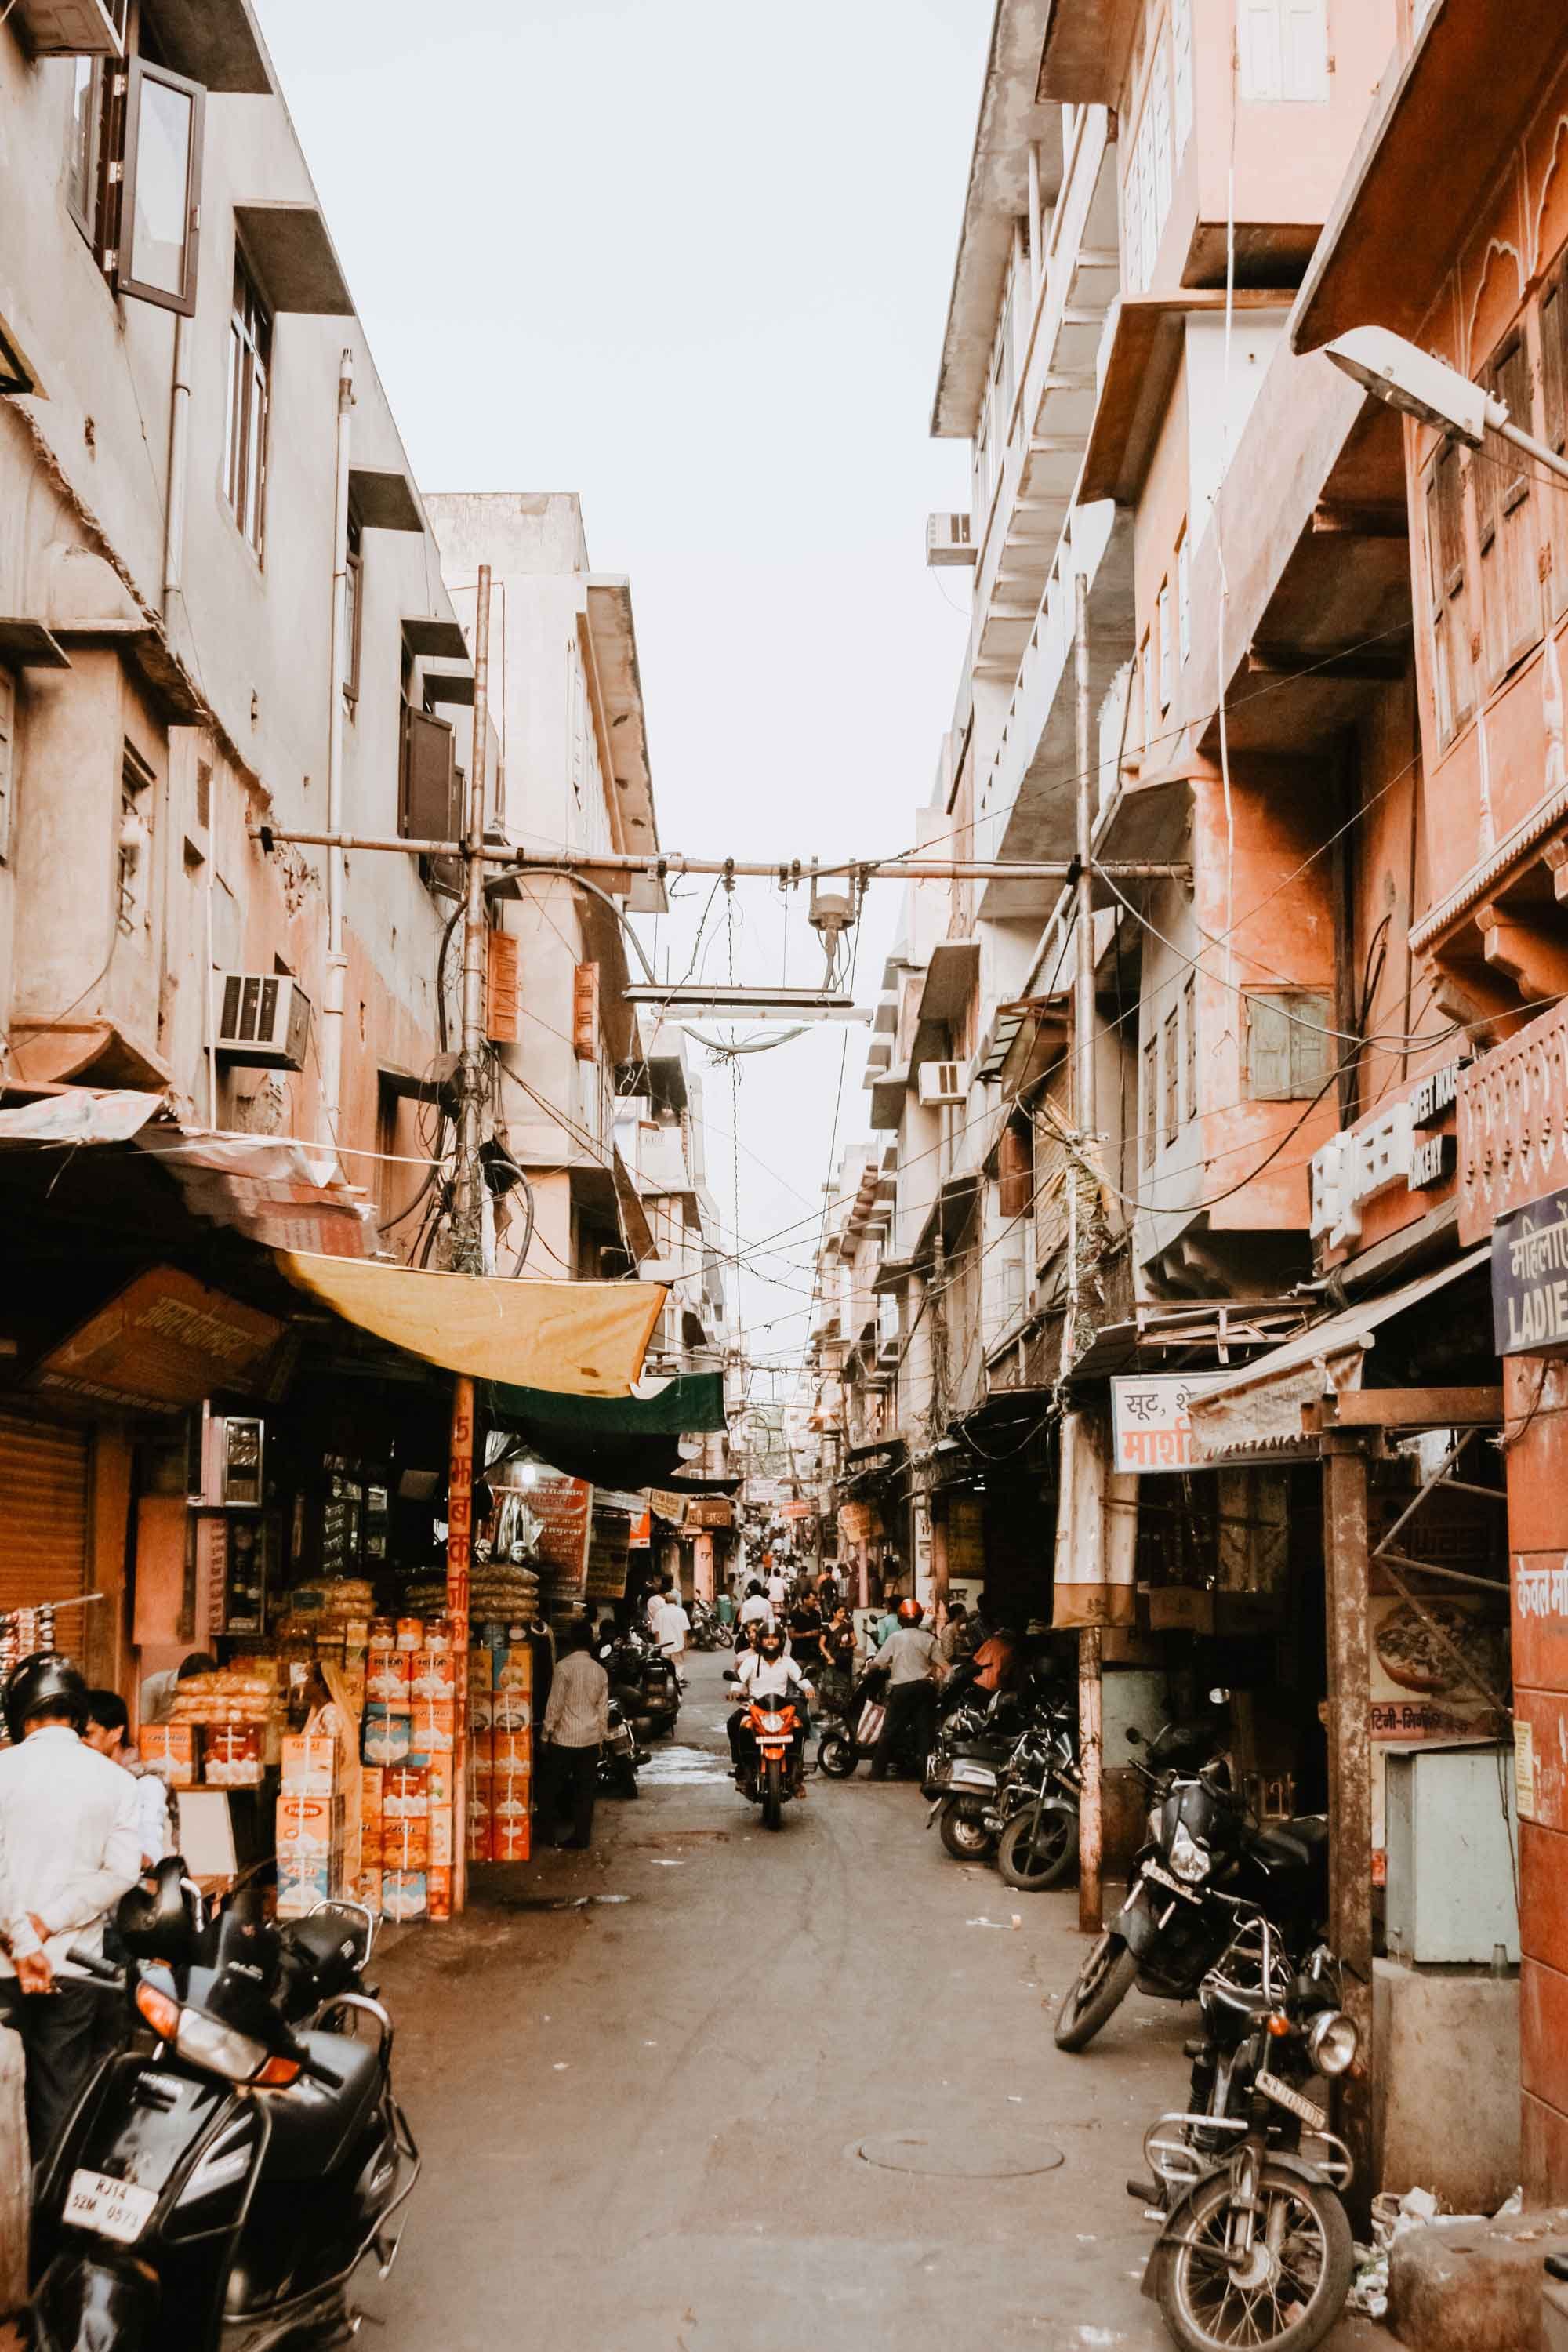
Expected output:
(965, 1773)
(221, 2194)
(1254, 2245)
(642, 1683)
(620, 1758)
(707, 1631)
(1039, 1805)
(1204, 1861)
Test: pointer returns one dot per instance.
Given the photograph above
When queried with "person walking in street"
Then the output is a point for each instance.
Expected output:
(839, 1646)
(671, 1629)
(70, 1846)
(109, 1732)
(952, 1639)
(806, 1634)
(576, 1722)
(778, 1589)
(756, 1609)
(914, 1669)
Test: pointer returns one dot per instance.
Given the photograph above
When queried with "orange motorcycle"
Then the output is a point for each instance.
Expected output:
(770, 1756)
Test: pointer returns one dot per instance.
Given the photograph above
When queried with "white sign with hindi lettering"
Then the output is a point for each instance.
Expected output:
(1152, 1424)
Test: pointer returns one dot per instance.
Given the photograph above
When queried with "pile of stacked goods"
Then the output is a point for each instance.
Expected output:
(225, 1729)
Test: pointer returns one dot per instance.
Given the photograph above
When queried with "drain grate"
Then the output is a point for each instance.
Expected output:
(960, 2156)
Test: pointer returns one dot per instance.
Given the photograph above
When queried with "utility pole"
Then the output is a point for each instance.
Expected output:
(1090, 1804)
(468, 1250)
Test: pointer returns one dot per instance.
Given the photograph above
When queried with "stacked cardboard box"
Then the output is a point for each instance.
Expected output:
(309, 1825)
(172, 1750)
(500, 1754)
(406, 1785)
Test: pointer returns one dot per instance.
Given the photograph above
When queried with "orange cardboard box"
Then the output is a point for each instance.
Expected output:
(371, 1779)
(405, 1845)
(433, 1674)
(386, 1675)
(310, 1765)
(510, 1842)
(511, 1710)
(513, 1750)
(479, 1839)
(440, 1826)
(367, 1886)
(308, 1824)
(170, 1749)
(510, 1797)
(514, 1670)
(438, 1894)
(404, 1794)
(372, 1845)
(435, 1727)
(410, 1633)
(481, 1713)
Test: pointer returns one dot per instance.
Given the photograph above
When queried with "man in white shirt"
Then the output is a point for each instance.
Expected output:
(70, 1846)
(670, 1625)
(108, 1733)
(766, 1673)
(778, 1589)
(756, 1609)
(576, 1721)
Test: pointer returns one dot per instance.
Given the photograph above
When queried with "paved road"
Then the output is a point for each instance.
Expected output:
(641, 2117)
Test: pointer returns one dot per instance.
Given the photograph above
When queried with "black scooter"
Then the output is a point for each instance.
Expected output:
(643, 1684)
(220, 2194)
(620, 1758)
(1206, 1865)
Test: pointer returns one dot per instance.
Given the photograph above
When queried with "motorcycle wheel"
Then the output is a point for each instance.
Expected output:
(772, 1795)
(836, 1755)
(1039, 1848)
(1200, 2299)
(964, 1835)
(1096, 1992)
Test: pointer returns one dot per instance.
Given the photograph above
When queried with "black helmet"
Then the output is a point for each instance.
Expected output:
(43, 1684)
(771, 1642)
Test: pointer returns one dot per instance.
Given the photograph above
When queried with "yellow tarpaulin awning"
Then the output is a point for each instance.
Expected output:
(579, 1338)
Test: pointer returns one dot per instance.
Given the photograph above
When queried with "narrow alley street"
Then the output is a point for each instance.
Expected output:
(643, 2115)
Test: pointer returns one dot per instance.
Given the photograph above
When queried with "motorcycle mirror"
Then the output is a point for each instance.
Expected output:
(1135, 1737)
(1218, 1696)
(155, 1925)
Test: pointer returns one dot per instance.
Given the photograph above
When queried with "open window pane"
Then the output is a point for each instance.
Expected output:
(162, 203)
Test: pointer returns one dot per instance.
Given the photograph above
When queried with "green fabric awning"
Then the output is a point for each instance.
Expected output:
(631, 1442)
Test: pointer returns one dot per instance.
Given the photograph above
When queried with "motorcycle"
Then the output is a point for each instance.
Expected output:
(963, 1777)
(770, 1771)
(620, 1758)
(1253, 2244)
(643, 1684)
(1206, 1860)
(707, 1633)
(1039, 1805)
(221, 2193)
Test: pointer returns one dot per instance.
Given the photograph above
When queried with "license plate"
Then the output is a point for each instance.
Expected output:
(115, 2208)
(1304, 2109)
(1163, 1878)
(970, 1775)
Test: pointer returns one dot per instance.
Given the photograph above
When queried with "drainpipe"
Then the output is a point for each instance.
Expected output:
(1036, 229)
(179, 455)
(337, 961)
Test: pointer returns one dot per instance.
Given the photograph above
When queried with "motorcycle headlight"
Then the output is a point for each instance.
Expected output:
(1332, 2040)
(219, 2048)
(772, 1723)
(1187, 1858)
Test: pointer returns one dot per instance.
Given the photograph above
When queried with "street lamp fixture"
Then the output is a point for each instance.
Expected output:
(1418, 386)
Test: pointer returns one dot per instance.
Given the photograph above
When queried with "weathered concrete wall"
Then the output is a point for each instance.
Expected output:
(1446, 2092)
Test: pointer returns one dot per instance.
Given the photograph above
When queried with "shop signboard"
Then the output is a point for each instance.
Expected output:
(1398, 1144)
(165, 1342)
(1418, 1685)
(562, 1507)
(1152, 1424)
(800, 1510)
(1530, 1278)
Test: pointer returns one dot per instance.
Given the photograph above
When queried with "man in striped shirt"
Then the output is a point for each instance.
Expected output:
(576, 1721)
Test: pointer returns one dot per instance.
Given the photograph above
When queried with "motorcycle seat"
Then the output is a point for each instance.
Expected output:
(312, 2123)
(1296, 1842)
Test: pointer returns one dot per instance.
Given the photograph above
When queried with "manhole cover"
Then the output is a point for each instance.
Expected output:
(974, 2156)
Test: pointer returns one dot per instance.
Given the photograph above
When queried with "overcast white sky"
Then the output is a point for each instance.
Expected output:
(690, 258)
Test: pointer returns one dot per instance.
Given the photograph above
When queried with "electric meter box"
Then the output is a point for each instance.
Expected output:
(1452, 1839)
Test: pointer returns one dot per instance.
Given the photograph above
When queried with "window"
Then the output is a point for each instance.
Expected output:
(1185, 596)
(1164, 610)
(353, 591)
(161, 195)
(1133, 220)
(1554, 355)
(136, 781)
(7, 759)
(1284, 49)
(1148, 196)
(84, 148)
(1160, 121)
(1146, 683)
(1172, 1119)
(1151, 1100)
(1511, 587)
(1446, 611)
(1289, 1050)
(1189, 1035)
(1182, 55)
(249, 384)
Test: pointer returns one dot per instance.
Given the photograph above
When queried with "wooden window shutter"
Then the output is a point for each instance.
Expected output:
(1014, 1172)
(1267, 1049)
(503, 1003)
(427, 804)
(585, 1013)
(44, 1492)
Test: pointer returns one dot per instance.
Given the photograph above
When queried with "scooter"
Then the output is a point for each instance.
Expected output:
(221, 2193)
(964, 1777)
(620, 1758)
(642, 1683)
(1204, 1859)
(852, 1738)
(1253, 2244)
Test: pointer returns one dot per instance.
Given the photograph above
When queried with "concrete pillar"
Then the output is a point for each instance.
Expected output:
(1350, 1778)
(702, 1568)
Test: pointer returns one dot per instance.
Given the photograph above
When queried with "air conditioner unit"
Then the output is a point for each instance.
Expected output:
(949, 540)
(264, 1021)
(71, 28)
(941, 1081)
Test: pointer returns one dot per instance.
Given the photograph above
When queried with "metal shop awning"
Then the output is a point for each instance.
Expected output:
(1257, 1413)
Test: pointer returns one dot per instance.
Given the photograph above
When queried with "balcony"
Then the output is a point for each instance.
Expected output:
(1512, 1133)
(1053, 408)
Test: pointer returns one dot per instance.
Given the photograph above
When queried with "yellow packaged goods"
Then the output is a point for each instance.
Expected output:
(432, 1673)
(511, 1710)
(386, 1675)
(310, 1764)
(224, 1698)
(514, 1670)
(404, 1794)
(170, 1751)
(231, 1755)
(308, 1824)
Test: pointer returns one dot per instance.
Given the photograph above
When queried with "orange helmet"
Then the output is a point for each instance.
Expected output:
(909, 1612)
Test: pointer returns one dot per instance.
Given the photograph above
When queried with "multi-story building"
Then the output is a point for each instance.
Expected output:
(1117, 1342)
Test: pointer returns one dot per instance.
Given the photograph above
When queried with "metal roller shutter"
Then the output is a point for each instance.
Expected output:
(44, 1489)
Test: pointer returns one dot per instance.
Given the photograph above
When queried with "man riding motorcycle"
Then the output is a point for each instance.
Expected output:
(767, 1673)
